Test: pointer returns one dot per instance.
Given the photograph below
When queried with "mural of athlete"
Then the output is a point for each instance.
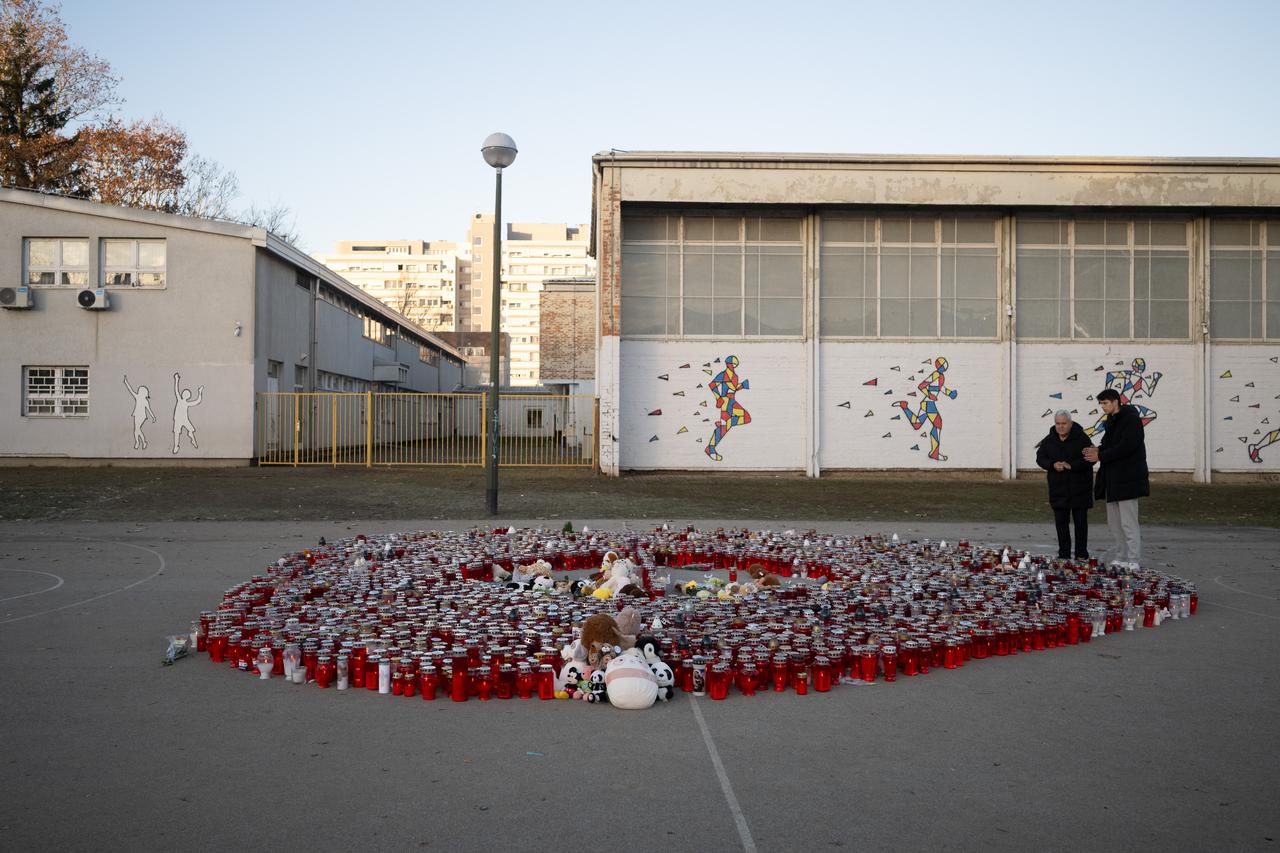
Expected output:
(726, 386)
(183, 402)
(1130, 383)
(141, 412)
(1266, 441)
(931, 387)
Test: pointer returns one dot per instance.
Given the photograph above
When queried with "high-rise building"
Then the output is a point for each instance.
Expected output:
(418, 278)
(444, 286)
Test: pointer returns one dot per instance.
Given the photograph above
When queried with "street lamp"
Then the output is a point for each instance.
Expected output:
(499, 151)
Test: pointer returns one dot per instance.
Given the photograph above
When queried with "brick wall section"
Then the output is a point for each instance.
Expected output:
(567, 333)
(609, 268)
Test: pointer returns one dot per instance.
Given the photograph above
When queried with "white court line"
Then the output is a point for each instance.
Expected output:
(155, 554)
(739, 819)
(1218, 580)
(37, 592)
(1242, 610)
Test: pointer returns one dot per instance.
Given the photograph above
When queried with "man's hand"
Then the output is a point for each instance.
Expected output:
(1091, 454)
(1061, 466)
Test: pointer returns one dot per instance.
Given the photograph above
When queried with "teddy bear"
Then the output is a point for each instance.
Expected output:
(762, 577)
(597, 691)
(600, 654)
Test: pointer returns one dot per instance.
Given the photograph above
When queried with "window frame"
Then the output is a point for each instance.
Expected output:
(135, 269)
(59, 269)
(61, 398)
(679, 246)
(1266, 249)
(1132, 251)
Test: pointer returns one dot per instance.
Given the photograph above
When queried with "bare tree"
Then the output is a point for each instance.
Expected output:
(209, 189)
(278, 219)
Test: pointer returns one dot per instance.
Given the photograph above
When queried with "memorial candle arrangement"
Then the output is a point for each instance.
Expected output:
(429, 615)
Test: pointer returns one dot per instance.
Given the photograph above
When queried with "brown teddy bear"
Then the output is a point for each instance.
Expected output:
(761, 577)
(601, 629)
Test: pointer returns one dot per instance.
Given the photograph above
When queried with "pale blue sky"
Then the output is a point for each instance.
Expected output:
(366, 118)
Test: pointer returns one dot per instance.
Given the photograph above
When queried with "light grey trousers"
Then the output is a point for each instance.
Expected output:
(1122, 518)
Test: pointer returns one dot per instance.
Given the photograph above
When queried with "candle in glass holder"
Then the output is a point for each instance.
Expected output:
(506, 683)
(822, 673)
(779, 670)
(524, 682)
(342, 671)
(718, 683)
(265, 663)
(324, 670)
(867, 663)
(748, 678)
(428, 682)
(546, 682)
(801, 680)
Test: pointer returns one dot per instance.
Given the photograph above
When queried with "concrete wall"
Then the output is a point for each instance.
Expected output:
(187, 327)
(1244, 399)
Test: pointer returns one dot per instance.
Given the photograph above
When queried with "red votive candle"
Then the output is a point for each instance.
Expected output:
(889, 661)
(428, 681)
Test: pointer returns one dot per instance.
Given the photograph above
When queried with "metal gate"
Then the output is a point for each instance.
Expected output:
(373, 428)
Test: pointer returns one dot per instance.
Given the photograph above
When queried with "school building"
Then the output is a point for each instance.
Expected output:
(820, 313)
(135, 336)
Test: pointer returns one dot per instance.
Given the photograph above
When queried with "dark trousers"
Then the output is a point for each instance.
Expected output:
(1061, 519)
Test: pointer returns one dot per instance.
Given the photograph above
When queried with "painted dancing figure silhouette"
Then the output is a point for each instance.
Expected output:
(726, 386)
(1266, 441)
(1129, 383)
(931, 388)
(141, 411)
(182, 412)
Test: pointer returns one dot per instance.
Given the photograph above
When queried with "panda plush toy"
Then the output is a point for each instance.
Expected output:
(666, 680)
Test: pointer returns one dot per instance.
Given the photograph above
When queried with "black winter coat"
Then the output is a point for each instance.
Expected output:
(1067, 489)
(1123, 454)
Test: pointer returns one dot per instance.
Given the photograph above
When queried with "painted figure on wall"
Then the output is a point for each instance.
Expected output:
(931, 387)
(141, 412)
(1130, 384)
(1266, 441)
(726, 386)
(182, 411)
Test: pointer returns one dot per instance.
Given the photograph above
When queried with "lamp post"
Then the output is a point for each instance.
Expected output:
(499, 151)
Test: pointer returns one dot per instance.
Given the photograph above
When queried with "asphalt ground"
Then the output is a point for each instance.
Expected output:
(1162, 738)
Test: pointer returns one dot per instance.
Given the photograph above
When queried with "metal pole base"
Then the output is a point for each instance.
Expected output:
(491, 501)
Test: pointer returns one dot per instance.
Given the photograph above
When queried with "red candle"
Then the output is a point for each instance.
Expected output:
(779, 669)
(546, 682)
(889, 660)
(821, 674)
(324, 670)
(524, 682)
(1149, 615)
(867, 663)
(428, 681)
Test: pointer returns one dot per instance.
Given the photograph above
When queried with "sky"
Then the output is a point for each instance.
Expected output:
(366, 119)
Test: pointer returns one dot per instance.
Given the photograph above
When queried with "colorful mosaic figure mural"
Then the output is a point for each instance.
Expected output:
(1132, 384)
(933, 386)
(725, 386)
(1249, 406)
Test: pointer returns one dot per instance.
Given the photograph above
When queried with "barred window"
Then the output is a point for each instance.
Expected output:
(1104, 279)
(133, 263)
(713, 274)
(53, 262)
(1244, 279)
(56, 392)
(908, 276)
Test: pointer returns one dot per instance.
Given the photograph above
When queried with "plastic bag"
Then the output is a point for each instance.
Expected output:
(178, 646)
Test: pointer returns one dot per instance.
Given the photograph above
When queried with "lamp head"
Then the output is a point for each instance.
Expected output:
(499, 150)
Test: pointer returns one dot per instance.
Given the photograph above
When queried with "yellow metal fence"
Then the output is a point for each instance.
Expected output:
(327, 428)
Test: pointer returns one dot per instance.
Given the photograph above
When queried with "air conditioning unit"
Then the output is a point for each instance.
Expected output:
(15, 297)
(94, 300)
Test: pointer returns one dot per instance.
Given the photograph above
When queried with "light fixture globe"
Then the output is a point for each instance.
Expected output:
(499, 150)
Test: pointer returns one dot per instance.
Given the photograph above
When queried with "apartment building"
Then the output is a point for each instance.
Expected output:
(418, 278)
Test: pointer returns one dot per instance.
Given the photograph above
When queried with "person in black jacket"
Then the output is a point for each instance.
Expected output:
(1061, 453)
(1123, 477)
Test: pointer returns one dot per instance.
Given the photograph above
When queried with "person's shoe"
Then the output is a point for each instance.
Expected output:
(1082, 556)
(1064, 556)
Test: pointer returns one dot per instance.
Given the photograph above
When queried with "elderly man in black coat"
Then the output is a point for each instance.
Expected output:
(1061, 453)
(1123, 477)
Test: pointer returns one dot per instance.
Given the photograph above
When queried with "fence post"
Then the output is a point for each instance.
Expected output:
(484, 431)
(297, 428)
(333, 434)
(368, 429)
(595, 434)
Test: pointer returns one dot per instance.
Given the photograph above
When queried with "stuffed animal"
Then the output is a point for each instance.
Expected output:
(543, 584)
(600, 628)
(600, 654)
(630, 683)
(666, 680)
(762, 577)
(570, 674)
(647, 645)
(628, 621)
(597, 688)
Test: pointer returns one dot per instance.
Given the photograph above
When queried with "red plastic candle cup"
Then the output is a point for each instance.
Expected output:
(546, 682)
(324, 670)
(822, 673)
(217, 646)
(486, 685)
(1086, 631)
(357, 664)
(1073, 628)
(1149, 614)
(504, 685)
(397, 683)
(951, 658)
(801, 681)
(923, 654)
(889, 661)
(1002, 641)
(867, 663)
(910, 664)
(524, 682)
(686, 675)
(1195, 602)
(748, 679)
(1037, 637)
(371, 672)
(428, 682)
(779, 670)
(459, 684)
(718, 686)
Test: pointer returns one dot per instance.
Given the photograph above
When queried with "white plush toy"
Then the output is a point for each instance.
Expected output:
(630, 682)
